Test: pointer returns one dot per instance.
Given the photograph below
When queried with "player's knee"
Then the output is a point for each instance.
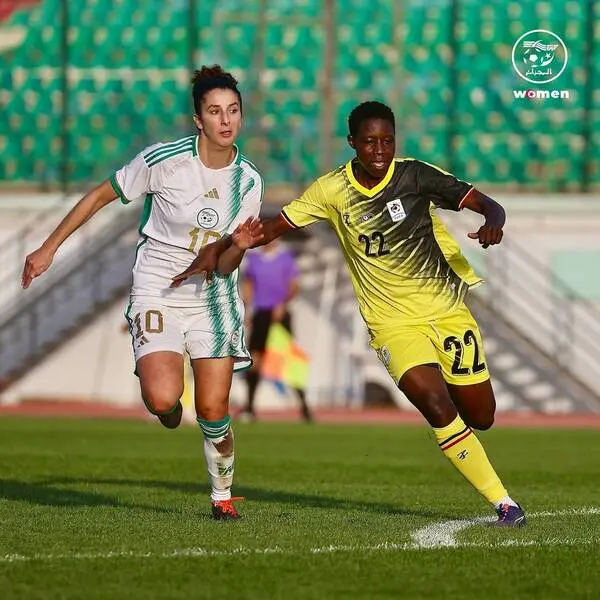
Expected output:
(480, 422)
(213, 409)
(437, 408)
(161, 401)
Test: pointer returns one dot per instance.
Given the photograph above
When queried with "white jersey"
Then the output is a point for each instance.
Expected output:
(187, 205)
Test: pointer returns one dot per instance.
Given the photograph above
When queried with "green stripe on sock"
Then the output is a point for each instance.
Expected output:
(217, 435)
(224, 421)
(214, 429)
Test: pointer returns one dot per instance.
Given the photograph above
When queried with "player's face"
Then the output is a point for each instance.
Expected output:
(375, 145)
(221, 117)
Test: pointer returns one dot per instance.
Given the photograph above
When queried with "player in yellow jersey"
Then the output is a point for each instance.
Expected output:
(410, 279)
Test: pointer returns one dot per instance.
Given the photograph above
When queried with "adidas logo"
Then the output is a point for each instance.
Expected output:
(212, 194)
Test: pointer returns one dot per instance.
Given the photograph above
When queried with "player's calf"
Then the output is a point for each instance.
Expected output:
(425, 388)
(161, 383)
(220, 462)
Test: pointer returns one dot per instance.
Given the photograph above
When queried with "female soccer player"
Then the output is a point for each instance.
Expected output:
(196, 189)
(410, 280)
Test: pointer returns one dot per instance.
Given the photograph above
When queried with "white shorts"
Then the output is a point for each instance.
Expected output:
(155, 327)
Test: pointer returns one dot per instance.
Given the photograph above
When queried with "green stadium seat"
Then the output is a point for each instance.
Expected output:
(292, 8)
(133, 78)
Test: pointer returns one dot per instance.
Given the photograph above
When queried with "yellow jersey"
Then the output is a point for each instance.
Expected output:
(405, 266)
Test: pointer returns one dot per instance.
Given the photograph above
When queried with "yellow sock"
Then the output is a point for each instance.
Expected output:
(459, 444)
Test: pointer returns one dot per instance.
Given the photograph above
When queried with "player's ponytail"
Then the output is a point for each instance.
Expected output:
(211, 78)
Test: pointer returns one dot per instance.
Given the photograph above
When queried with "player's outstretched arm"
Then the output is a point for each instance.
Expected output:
(207, 261)
(272, 229)
(242, 238)
(39, 260)
(490, 232)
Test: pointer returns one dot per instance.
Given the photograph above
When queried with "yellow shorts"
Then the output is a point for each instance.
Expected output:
(452, 341)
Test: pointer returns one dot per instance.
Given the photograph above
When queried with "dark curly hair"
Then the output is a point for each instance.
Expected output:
(369, 110)
(211, 78)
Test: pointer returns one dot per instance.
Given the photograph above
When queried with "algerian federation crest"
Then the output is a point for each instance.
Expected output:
(539, 56)
(208, 218)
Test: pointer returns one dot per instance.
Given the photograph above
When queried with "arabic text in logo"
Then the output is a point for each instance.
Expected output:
(539, 56)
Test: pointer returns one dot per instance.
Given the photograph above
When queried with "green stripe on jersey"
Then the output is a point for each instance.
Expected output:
(232, 299)
(216, 318)
(169, 146)
(238, 155)
(236, 195)
(250, 163)
(137, 251)
(169, 154)
(146, 213)
(262, 181)
(250, 185)
(117, 189)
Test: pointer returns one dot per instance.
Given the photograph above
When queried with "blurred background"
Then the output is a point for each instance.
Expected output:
(86, 84)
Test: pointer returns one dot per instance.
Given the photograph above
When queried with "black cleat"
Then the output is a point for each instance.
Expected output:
(172, 419)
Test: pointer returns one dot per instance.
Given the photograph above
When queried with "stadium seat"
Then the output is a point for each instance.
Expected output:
(450, 83)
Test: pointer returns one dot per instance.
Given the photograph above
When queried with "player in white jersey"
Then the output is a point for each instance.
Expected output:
(195, 191)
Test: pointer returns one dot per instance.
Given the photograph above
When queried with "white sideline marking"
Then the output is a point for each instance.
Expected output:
(442, 534)
(432, 537)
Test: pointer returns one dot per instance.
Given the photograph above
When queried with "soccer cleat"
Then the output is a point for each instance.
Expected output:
(224, 510)
(509, 516)
(172, 419)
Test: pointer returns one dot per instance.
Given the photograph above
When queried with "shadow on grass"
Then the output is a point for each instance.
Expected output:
(267, 495)
(45, 494)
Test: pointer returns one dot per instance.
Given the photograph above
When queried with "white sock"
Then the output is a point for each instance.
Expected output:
(218, 495)
(220, 470)
(506, 500)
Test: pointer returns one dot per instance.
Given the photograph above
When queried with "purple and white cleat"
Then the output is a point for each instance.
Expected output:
(509, 516)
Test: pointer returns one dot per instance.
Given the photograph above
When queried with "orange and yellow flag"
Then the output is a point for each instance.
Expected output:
(284, 361)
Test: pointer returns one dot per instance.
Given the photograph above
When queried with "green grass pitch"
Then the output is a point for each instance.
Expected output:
(120, 510)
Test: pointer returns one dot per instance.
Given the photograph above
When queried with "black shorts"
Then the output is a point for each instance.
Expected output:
(261, 323)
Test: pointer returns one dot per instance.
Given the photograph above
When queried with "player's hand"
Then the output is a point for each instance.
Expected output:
(204, 264)
(488, 235)
(35, 264)
(248, 233)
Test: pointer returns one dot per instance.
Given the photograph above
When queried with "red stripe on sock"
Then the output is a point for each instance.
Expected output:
(460, 439)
